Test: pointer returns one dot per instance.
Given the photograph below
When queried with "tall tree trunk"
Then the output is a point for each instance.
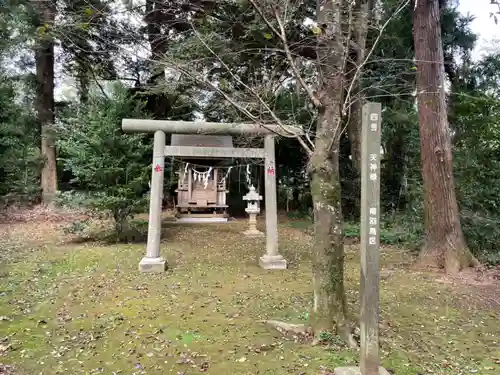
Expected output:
(158, 41)
(329, 312)
(158, 26)
(44, 61)
(361, 14)
(393, 172)
(354, 132)
(83, 80)
(444, 241)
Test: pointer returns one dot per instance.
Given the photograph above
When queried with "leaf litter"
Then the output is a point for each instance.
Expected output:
(84, 309)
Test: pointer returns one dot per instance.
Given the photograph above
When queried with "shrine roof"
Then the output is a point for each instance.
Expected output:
(198, 140)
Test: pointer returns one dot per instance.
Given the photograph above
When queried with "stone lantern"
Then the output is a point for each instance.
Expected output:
(252, 209)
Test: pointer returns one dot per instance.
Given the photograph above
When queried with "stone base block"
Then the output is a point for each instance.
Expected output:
(197, 220)
(354, 370)
(276, 262)
(253, 233)
(154, 265)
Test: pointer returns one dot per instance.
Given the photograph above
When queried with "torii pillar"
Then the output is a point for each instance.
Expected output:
(272, 259)
(153, 262)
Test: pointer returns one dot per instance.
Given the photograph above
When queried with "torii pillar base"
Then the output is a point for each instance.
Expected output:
(153, 265)
(354, 370)
(272, 262)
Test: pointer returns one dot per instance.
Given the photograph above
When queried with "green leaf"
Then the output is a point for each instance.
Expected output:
(316, 30)
(83, 26)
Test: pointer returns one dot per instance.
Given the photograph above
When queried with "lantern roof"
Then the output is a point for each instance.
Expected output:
(252, 195)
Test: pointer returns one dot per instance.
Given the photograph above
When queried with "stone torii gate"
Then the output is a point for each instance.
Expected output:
(153, 262)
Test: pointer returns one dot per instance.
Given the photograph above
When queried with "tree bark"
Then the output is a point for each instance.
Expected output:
(44, 105)
(445, 244)
(362, 11)
(83, 80)
(329, 312)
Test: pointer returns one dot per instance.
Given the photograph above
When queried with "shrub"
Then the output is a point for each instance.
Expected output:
(483, 237)
(110, 167)
(20, 160)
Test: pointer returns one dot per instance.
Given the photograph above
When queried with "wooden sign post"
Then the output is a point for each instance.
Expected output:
(370, 237)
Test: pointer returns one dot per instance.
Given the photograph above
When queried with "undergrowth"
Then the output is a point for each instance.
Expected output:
(481, 233)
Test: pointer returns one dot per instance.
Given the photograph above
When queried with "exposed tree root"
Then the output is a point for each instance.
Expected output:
(301, 329)
(346, 333)
(350, 340)
(449, 256)
(286, 328)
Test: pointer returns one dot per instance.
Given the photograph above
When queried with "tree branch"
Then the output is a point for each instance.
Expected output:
(98, 83)
(281, 34)
(215, 88)
(360, 66)
(257, 96)
(236, 105)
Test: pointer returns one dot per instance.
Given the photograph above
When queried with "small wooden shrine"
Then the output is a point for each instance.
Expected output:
(201, 191)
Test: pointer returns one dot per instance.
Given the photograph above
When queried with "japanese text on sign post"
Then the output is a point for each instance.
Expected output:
(373, 168)
(370, 196)
(370, 234)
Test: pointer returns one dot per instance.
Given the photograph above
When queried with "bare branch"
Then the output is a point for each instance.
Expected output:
(91, 69)
(238, 106)
(257, 96)
(360, 67)
(215, 88)
(281, 34)
(309, 140)
(264, 18)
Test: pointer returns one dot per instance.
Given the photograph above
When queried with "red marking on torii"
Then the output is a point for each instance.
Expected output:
(158, 168)
(270, 170)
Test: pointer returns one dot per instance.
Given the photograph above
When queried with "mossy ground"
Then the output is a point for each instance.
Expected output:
(85, 309)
